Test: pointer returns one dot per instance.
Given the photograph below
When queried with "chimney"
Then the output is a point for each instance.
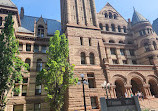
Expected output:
(22, 12)
(129, 20)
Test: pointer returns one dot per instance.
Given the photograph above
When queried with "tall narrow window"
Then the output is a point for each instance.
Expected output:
(43, 49)
(113, 27)
(90, 42)
(38, 90)
(83, 58)
(24, 90)
(107, 27)
(131, 51)
(154, 44)
(36, 48)
(28, 61)
(0, 21)
(37, 107)
(40, 31)
(119, 29)
(94, 103)
(106, 15)
(124, 29)
(146, 46)
(115, 61)
(110, 15)
(91, 58)
(39, 65)
(20, 47)
(16, 93)
(113, 51)
(144, 32)
(122, 51)
(81, 41)
(28, 47)
(101, 26)
(115, 16)
(91, 80)
(150, 60)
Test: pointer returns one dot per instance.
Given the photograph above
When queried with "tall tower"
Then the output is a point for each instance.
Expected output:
(79, 23)
(145, 39)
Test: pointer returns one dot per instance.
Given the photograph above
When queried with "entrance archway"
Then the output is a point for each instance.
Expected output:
(137, 85)
(120, 89)
(153, 88)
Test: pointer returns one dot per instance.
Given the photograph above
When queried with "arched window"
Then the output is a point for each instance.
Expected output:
(39, 65)
(154, 44)
(103, 40)
(146, 46)
(40, 31)
(115, 16)
(110, 15)
(28, 61)
(0, 21)
(113, 27)
(119, 29)
(124, 29)
(91, 56)
(101, 26)
(111, 41)
(83, 58)
(107, 27)
(106, 15)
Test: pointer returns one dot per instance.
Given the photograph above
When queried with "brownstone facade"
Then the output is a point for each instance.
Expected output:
(103, 46)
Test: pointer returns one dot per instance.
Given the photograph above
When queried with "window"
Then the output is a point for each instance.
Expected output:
(91, 80)
(140, 33)
(37, 107)
(90, 43)
(91, 55)
(113, 27)
(144, 32)
(146, 46)
(111, 41)
(150, 60)
(24, 90)
(124, 61)
(134, 62)
(115, 61)
(110, 15)
(18, 108)
(122, 51)
(39, 65)
(16, 93)
(124, 29)
(25, 80)
(43, 49)
(121, 42)
(148, 30)
(0, 21)
(40, 31)
(38, 90)
(81, 41)
(101, 26)
(28, 47)
(154, 44)
(83, 58)
(28, 61)
(131, 51)
(113, 51)
(115, 16)
(119, 29)
(94, 103)
(107, 27)
(36, 48)
(106, 15)
(20, 47)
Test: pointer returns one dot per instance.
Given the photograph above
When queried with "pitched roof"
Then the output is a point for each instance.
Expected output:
(27, 22)
(137, 18)
(8, 3)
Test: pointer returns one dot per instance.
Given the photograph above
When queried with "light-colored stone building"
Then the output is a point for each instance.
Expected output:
(103, 46)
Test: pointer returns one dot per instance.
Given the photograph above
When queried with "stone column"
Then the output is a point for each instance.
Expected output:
(118, 56)
(147, 90)
(128, 90)
(24, 47)
(94, 16)
(112, 91)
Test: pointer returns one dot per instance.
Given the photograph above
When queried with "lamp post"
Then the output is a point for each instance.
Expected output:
(83, 81)
(106, 86)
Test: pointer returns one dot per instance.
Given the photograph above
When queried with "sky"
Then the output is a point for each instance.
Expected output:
(51, 8)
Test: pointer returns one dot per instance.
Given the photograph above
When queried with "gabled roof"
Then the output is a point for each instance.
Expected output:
(137, 18)
(8, 3)
(27, 22)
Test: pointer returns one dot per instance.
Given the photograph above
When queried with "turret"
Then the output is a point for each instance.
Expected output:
(145, 39)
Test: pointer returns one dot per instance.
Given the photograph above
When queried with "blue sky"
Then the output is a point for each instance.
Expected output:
(51, 8)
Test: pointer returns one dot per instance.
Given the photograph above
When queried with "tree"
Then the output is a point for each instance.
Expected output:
(10, 64)
(57, 75)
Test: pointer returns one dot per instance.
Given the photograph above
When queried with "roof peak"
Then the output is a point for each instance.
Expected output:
(7, 3)
(137, 17)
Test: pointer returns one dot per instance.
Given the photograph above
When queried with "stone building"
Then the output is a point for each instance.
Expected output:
(155, 25)
(103, 46)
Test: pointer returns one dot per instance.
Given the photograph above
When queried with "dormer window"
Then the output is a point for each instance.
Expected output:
(40, 31)
(0, 21)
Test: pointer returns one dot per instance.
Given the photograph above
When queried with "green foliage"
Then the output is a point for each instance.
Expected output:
(10, 64)
(57, 76)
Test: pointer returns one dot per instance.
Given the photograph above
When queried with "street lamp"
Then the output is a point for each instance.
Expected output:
(83, 81)
(106, 86)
